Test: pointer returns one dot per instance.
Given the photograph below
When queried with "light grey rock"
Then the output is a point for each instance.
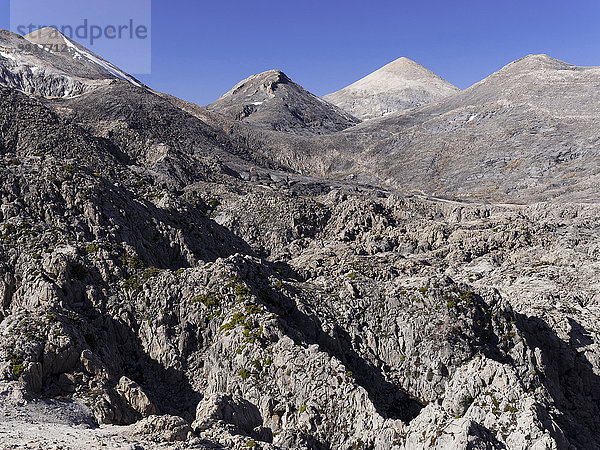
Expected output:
(135, 397)
(400, 85)
(163, 428)
(271, 100)
(233, 410)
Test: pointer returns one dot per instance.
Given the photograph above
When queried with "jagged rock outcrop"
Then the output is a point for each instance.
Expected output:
(163, 428)
(135, 396)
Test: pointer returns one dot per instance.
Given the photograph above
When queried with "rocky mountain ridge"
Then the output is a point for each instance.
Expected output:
(49, 64)
(525, 134)
(173, 278)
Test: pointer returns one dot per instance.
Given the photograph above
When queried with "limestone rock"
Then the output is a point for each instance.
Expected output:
(135, 397)
(400, 85)
(163, 428)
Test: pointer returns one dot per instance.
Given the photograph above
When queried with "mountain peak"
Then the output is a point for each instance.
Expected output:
(272, 73)
(64, 69)
(537, 62)
(260, 82)
(403, 69)
(44, 32)
(399, 85)
(47, 35)
(529, 69)
(402, 63)
(272, 100)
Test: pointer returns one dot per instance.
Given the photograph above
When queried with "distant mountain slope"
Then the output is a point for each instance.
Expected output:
(530, 131)
(49, 64)
(400, 85)
(272, 101)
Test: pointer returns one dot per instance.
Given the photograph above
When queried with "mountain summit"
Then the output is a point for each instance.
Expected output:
(48, 63)
(55, 42)
(400, 85)
(272, 100)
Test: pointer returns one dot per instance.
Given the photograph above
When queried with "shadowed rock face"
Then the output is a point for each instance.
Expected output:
(400, 85)
(272, 101)
(165, 264)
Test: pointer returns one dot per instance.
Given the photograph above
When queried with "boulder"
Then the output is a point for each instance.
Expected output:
(135, 396)
(164, 428)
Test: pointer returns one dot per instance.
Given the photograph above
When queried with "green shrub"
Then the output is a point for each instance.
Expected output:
(213, 203)
(210, 300)
(132, 260)
(467, 297)
(510, 408)
(16, 364)
(8, 229)
(467, 401)
(132, 283)
(135, 262)
(242, 292)
(238, 319)
(252, 309)
(244, 373)
(150, 272)
(68, 168)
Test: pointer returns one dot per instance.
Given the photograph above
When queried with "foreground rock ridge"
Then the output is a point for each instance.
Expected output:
(173, 276)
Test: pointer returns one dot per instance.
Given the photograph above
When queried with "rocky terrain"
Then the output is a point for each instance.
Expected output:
(525, 133)
(49, 64)
(400, 85)
(174, 277)
(271, 100)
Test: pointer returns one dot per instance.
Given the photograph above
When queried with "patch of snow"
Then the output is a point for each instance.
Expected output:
(8, 55)
(102, 63)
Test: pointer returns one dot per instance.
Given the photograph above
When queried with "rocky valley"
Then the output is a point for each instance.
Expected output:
(281, 271)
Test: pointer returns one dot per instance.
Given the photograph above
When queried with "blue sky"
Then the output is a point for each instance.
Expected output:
(201, 49)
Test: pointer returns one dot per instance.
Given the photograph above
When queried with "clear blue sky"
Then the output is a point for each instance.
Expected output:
(201, 49)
